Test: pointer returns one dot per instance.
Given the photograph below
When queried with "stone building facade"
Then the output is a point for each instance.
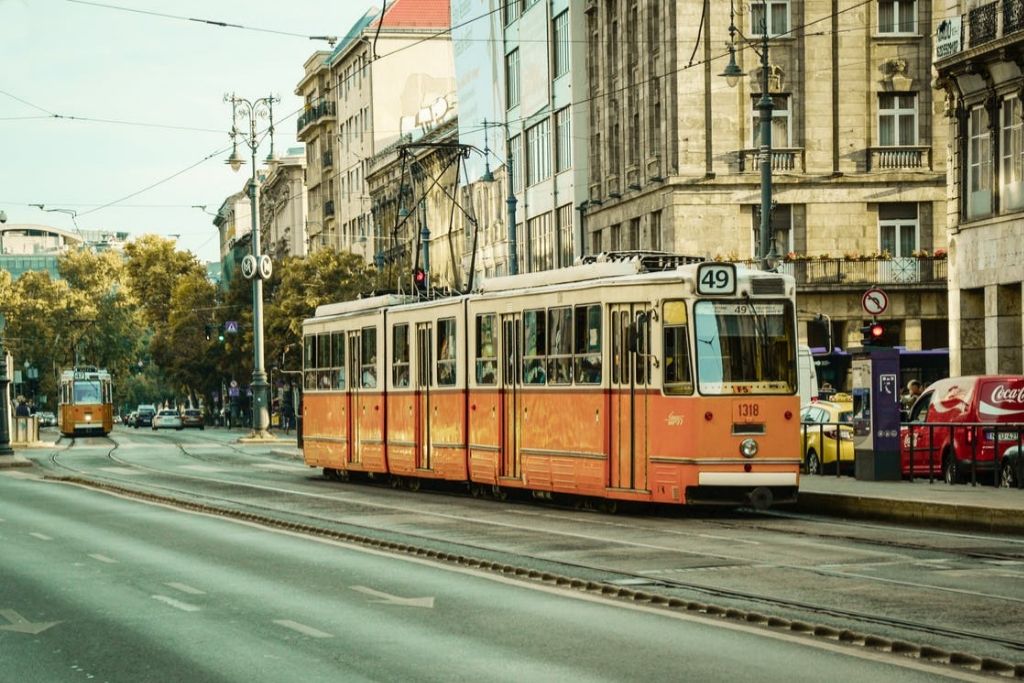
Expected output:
(981, 75)
(282, 206)
(383, 80)
(858, 149)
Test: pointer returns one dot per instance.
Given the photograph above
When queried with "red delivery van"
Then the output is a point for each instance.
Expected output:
(962, 419)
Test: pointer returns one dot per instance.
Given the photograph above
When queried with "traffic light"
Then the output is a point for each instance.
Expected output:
(209, 332)
(419, 279)
(220, 333)
(871, 334)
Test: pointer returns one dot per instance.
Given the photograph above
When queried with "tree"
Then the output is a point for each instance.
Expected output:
(154, 268)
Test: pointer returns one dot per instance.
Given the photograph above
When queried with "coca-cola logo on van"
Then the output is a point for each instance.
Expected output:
(1004, 400)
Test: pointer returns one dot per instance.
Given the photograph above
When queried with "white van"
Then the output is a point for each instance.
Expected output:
(807, 374)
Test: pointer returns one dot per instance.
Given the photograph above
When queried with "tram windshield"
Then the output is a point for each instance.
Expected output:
(745, 347)
(88, 391)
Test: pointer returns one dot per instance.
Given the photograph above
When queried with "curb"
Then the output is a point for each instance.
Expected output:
(11, 461)
(947, 515)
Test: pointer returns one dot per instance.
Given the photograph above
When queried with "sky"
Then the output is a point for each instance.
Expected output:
(83, 59)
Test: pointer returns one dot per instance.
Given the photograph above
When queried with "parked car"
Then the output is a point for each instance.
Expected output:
(981, 411)
(46, 419)
(825, 432)
(144, 415)
(193, 417)
(167, 419)
(1011, 468)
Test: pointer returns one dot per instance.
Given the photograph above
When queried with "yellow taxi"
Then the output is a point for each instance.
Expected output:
(827, 430)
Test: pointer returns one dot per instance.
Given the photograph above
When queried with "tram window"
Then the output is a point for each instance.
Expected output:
(368, 362)
(678, 379)
(588, 344)
(560, 346)
(400, 364)
(87, 392)
(486, 353)
(338, 360)
(534, 323)
(641, 359)
(309, 361)
(446, 352)
(323, 361)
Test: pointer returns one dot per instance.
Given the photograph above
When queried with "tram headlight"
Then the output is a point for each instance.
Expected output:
(748, 448)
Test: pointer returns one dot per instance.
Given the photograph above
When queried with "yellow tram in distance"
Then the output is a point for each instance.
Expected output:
(86, 402)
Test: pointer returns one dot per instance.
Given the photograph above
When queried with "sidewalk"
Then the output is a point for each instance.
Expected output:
(982, 508)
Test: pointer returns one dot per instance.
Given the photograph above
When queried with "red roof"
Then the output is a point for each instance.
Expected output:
(417, 14)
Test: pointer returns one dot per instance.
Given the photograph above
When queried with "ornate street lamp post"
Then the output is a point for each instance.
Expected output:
(255, 266)
(764, 106)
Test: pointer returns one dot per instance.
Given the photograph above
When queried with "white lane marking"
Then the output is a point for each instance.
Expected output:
(102, 558)
(730, 540)
(201, 468)
(121, 470)
(41, 537)
(389, 599)
(177, 604)
(185, 588)
(302, 628)
(281, 468)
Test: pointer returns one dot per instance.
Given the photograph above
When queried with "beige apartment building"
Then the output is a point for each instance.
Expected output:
(382, 81)
(282, 205)
(981, 77)
(858, 149)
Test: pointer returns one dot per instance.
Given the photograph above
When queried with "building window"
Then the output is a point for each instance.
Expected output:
(563, 140)
(595, 242)
(897, 119)
(560, 43)
(512, 79)
(897, 16)
(782, 128)
(654, 239)
(541, 241)
(563, 232)
(1011, 149)
(782, 229)
(616, 238)
(898, 229)
(512, 10)
(538, 152)
(778, 17)
(633, 238)
(979, 164)
(515, 159)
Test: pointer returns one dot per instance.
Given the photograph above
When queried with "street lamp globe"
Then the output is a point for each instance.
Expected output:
(235, 161)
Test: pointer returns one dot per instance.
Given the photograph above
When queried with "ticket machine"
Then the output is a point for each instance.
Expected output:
(876, 414)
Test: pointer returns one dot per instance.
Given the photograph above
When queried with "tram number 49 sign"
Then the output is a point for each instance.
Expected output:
(716, 278)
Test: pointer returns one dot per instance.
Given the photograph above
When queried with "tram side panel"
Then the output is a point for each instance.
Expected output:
(564, 440)
(324, 432)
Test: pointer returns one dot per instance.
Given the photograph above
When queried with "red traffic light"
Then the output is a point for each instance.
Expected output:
(419, 278)
(877, 330)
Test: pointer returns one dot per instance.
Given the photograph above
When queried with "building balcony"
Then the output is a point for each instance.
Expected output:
(860, 273)
(328, 159)
(989, 26)
(329, 207)
(783, 159)
(315, 112)
(900, 158)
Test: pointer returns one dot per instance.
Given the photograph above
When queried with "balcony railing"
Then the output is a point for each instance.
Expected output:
(898, 158)
(328, 159)
(329, 207)
(314, 113)
(982, 24)
(910, 270)
(783, 159)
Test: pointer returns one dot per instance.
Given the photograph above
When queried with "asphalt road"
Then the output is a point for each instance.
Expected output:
(99, 587)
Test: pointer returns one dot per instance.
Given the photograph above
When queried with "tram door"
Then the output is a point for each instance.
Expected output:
(511, 354)
(424, 367)
(630, 374)
(352, 407)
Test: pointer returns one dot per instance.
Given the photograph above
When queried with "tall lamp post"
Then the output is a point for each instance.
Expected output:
(732, 75)
(255, 266)
(5, 427)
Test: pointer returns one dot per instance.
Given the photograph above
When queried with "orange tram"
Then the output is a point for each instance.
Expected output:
(659, 379)
(86, 403)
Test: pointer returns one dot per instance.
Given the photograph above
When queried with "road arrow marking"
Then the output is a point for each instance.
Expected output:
(185, 588)
(388, 599)
(103, 558)
(20, 624)
(302, 628)
(41, 537)
(177, 604)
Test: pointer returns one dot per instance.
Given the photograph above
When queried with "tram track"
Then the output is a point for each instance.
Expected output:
(797, 612)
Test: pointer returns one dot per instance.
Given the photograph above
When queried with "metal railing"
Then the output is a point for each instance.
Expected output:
(981, 22)
(315, 112)
(870, 270)
(954, 452)
(329, 207)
